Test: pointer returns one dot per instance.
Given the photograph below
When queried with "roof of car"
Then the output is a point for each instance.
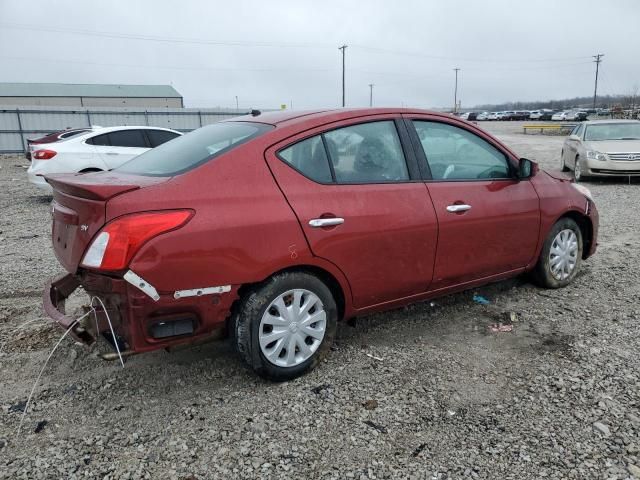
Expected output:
(128, 127)
(293, 116)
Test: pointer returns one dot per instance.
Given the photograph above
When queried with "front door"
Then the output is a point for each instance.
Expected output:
(361, 205)
(488, 219)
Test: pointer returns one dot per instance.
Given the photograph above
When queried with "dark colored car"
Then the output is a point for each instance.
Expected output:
(52, 138)
(273, 227)
(520, 115)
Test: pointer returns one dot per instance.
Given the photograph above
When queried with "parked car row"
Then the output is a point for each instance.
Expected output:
(541, 114)
(91, 149)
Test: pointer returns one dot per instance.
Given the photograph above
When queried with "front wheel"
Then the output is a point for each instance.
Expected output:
(561, 255)
(578, 170)
(563, 166)
(285, 327)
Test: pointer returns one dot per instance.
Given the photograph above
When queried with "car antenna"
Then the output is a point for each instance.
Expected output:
(255, 113)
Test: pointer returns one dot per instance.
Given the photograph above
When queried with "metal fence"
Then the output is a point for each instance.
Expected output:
(19, 124)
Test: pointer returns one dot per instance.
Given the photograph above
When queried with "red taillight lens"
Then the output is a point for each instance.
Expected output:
(118, 241)
(44, 154)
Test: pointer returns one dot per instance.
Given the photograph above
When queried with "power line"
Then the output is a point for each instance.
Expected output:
(237, 43)
(157, 38)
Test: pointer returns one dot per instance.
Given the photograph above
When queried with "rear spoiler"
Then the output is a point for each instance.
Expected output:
(94, 186)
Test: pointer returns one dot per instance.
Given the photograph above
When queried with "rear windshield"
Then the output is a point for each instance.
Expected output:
(188, 151)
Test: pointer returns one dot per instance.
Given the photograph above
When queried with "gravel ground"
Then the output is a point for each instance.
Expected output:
(427, 391)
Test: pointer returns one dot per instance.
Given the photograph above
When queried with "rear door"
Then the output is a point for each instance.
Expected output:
(488, 219)
(120, 146)
(357, 193)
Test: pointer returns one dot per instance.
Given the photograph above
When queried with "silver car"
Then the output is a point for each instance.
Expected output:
(603, 148)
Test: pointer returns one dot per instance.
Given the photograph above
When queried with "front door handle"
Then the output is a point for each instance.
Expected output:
(326, 222)
(458, 208)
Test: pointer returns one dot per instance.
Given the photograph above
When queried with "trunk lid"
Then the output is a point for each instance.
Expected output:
(78, 209)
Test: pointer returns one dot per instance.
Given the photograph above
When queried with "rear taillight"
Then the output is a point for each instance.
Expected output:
(44, 154)
(118, 241)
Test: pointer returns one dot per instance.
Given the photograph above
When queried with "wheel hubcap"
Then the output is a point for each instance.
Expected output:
(292, 328)
(564, 254)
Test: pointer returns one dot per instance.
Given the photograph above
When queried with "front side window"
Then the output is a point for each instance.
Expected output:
(188, 151)
(367, 153)
(457, 154)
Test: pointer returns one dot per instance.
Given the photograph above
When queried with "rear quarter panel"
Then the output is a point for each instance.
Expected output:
(242, 232)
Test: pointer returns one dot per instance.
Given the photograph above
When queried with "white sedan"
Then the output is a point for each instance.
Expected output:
(560, 116)
(99, 149)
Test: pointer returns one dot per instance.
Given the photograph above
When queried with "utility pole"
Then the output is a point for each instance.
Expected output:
(595, 89)
(237, 103)
(455, 92)
(371, 94)
(343, 48)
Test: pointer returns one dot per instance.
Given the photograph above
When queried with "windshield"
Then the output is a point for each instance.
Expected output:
(613, 131)
(188, 151)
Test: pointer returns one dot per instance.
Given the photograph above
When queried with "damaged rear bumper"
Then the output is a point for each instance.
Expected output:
(141, 322)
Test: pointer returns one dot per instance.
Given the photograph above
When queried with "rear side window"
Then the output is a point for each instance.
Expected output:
(309, 157)
(188, 151)
(362, 153)
(127, 138)
(367, 153)
(158, 137)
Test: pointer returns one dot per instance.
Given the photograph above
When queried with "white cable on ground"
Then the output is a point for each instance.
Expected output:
(26, 407)
(113, 333)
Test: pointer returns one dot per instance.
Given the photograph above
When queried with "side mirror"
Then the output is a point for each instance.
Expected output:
(574, 137)
(526, 168)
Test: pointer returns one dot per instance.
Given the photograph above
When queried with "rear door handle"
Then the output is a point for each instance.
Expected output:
(458, 208)
(326, 222)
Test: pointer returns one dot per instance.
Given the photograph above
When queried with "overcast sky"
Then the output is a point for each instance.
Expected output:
(274, 52)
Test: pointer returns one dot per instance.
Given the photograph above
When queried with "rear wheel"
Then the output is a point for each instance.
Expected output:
(561, 255)
(285, 327)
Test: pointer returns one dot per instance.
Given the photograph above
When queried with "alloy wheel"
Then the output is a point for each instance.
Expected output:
(577, 170)
(292, 328)
(563, 255)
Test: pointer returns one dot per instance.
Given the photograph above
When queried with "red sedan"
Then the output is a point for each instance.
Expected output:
(273, 227)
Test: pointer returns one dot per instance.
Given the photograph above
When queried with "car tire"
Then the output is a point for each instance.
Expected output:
(258, 318)
(561, 255)
(578, 169)
(563, 166)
